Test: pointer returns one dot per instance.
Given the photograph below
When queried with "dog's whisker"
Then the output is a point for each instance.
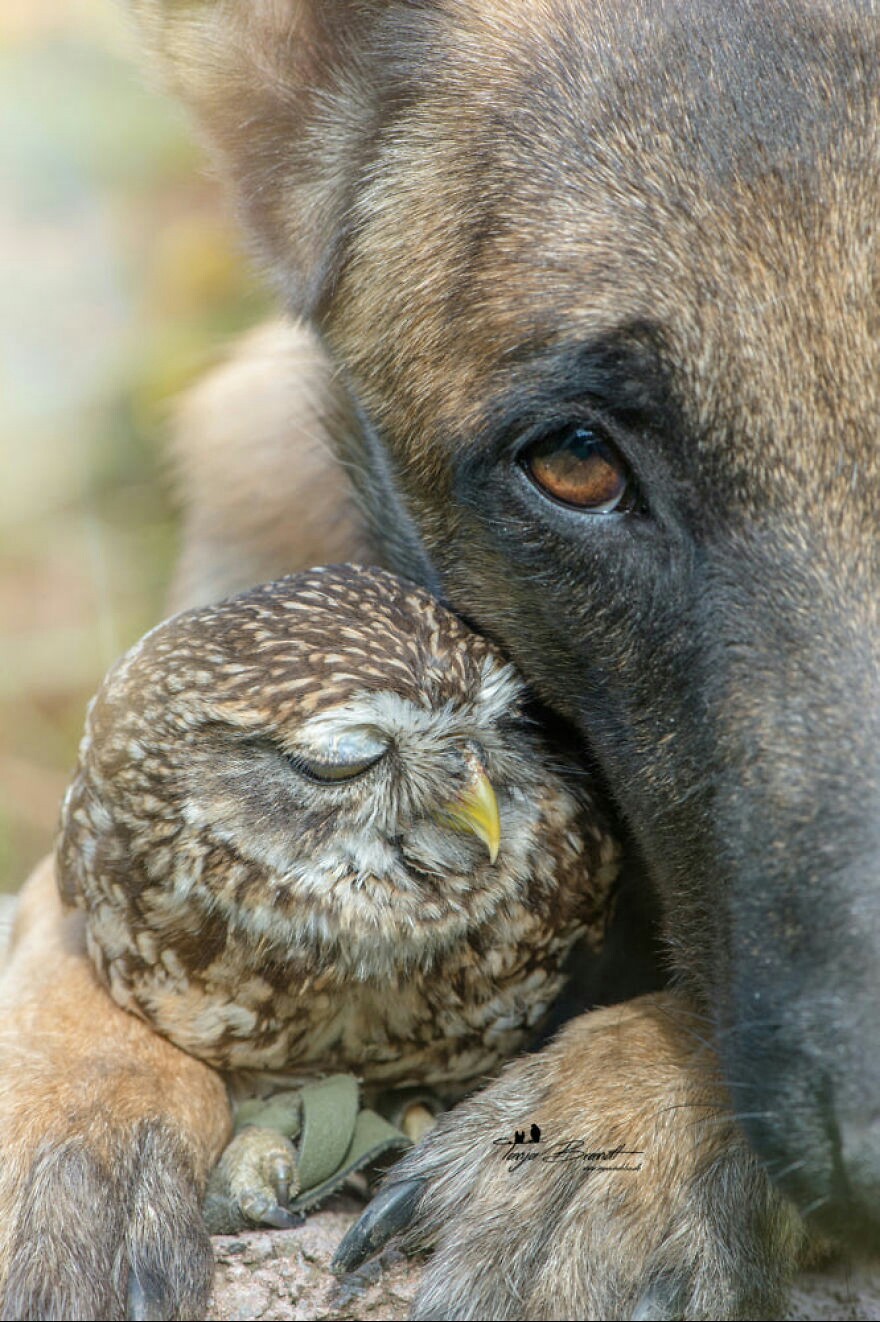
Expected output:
(815, 1206)
(791, 1169)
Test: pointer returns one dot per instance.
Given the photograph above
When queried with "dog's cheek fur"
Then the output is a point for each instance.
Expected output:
(727, 674)
(435, 189)
(285, 95)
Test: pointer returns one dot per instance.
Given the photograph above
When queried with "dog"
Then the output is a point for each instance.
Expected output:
(587, 345)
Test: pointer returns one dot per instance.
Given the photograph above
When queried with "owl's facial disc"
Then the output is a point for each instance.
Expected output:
(426, 773)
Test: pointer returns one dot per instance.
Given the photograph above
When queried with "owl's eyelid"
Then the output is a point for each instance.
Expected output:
(330, 756)
(332, 773)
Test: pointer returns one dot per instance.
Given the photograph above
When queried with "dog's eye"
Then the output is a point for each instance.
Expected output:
(580, 467)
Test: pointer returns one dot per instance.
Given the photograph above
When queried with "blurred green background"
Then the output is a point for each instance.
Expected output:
(122, 279)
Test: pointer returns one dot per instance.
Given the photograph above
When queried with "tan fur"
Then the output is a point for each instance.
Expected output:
(375, 149)
(47, 952)
(639, 1077)
(263, 494)
(80, 1076)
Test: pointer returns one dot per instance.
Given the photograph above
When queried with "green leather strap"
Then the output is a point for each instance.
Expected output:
(329, 1110)
(370, 1138)
(334, 1138)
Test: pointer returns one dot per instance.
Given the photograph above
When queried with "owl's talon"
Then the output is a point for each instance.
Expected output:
(390, 1212)
(261, 1211)
(252, 1183)
(282, 1190)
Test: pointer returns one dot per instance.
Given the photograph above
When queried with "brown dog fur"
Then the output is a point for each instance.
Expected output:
(489, 212)
(109, 1133)
(251, 514)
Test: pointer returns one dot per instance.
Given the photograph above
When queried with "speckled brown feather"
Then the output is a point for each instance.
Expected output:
(213, 921)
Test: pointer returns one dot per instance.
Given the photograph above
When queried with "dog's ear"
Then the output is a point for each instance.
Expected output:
(287, 95)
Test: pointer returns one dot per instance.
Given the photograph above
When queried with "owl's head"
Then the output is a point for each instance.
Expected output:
(330, 760)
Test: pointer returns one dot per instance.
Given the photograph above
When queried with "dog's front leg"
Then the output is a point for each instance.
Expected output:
(107, 1133)
(601, 1178)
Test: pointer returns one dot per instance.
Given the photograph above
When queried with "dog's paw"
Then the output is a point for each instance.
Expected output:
(601, 1178)
(253, 1183)
(107, 1135)
(106, 1227)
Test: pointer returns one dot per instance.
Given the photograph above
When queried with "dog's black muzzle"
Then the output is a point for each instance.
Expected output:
(800, 1042)
(797, 810)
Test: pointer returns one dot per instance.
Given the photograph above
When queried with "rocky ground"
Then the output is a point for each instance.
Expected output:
(282, 1275)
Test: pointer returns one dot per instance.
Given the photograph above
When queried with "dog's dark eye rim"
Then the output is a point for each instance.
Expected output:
(332, 773)
(589, 438)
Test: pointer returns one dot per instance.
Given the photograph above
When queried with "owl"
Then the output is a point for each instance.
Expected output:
(315, 830)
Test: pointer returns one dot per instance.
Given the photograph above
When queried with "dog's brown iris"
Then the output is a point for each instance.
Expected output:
(578, 467)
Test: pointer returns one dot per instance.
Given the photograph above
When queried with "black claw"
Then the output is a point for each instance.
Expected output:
(664, 1301)
(281, 1182)
(144, 1304)
(281, 1219)
(390, 1211)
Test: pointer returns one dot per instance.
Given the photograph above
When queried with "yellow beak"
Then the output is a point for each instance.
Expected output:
(476, 810)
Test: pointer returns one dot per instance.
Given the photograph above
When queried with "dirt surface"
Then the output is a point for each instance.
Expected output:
(284, 1275)
(841, 1292)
